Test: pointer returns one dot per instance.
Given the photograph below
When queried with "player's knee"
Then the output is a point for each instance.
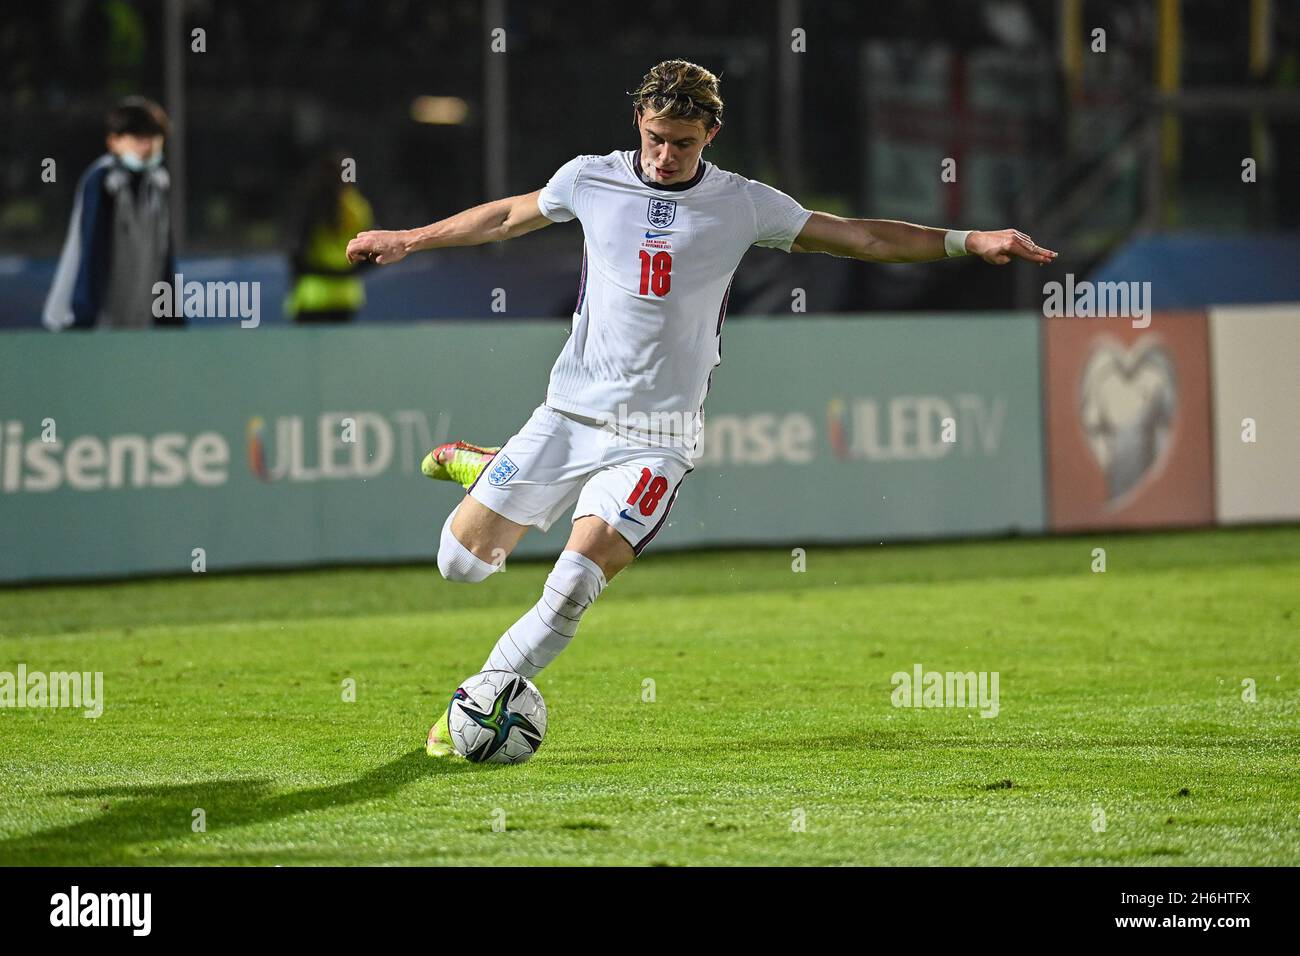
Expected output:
(577, 579)
(456, 562)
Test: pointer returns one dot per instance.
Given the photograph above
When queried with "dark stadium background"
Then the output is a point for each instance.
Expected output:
(279, 83)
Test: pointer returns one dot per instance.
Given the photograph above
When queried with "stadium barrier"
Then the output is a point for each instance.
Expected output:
(159, 453)
(1256, 373)
(1128, 422)
(125, 454)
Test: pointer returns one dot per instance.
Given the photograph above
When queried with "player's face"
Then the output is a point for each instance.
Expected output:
(144, 147)
(670, 149)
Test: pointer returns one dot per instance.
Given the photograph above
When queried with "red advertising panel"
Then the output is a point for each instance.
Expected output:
(1128, 422)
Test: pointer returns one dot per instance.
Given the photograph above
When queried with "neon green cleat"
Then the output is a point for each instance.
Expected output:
(457, 461)
(439, 743)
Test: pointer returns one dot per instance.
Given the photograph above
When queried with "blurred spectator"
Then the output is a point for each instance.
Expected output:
(119, 242)
(325, 284)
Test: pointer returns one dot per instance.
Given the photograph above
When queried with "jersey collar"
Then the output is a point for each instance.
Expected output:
(670, 187)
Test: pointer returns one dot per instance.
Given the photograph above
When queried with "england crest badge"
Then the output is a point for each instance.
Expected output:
(662, 212)
(501, 470)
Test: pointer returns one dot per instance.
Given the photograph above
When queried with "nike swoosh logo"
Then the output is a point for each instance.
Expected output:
(657, 235)
(624, 514)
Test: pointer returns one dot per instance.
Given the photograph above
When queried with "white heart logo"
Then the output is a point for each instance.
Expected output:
(1127, 402)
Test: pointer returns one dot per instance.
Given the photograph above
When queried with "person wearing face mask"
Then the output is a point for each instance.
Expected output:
(119, 241)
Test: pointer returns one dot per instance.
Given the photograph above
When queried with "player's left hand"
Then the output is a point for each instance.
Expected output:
(999, 248)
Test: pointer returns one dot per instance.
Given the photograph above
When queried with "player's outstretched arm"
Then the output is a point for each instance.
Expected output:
(888, 240)
(490, 222)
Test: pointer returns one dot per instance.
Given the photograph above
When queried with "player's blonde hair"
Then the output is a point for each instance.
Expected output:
(680, 90)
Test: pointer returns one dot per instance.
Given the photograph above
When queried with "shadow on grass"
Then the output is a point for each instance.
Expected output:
(150, 815)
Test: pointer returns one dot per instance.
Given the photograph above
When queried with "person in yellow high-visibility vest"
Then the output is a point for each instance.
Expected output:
(326, 287)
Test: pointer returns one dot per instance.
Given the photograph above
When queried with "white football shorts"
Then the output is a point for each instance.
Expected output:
(558, 460)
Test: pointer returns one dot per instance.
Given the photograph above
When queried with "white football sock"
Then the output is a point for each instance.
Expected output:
(546, 628)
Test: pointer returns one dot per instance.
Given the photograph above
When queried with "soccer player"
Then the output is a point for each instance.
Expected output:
(619, 428)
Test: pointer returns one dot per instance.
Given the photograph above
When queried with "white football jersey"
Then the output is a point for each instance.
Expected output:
(656, 271)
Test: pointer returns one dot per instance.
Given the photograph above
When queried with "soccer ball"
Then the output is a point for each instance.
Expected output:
(497, 717)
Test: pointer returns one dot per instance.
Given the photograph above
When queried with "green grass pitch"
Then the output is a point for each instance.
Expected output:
(1122, 736)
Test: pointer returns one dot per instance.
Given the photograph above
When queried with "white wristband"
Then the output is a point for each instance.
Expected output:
(954, 242)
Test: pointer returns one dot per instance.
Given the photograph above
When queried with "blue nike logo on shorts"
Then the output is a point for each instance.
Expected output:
(624, 514)
(657, 235)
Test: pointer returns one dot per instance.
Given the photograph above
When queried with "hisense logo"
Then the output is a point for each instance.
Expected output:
(91, 463)
(346, 445)
(763, 438)
(75, 908)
